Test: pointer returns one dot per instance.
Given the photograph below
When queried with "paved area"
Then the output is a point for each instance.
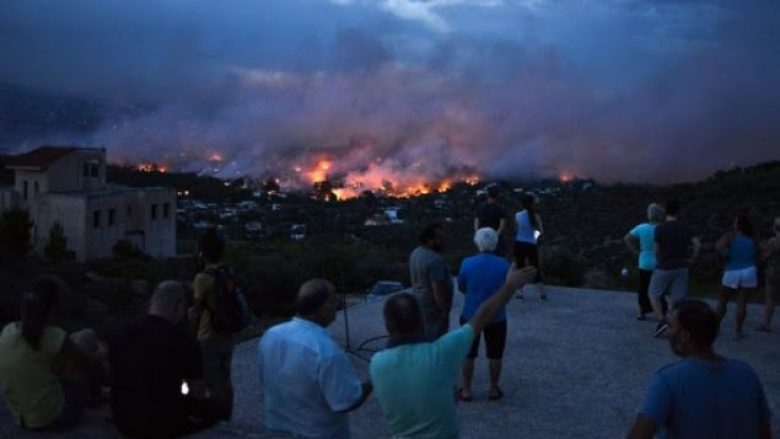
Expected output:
(575, 366)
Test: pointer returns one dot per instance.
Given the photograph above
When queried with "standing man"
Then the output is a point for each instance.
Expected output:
(492, 215)
(431, 281)
(216, 345)
(704, 395)
(670, 277)
(309, 382)
(414, 378)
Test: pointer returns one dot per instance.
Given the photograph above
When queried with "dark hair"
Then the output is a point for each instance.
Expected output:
(528, 205)
(211, 246)
(429, 233)
(37, 306)
(699, 320)
(312, 296)
(492, 192)
(403, 314)
(743, 225)
(672, 206)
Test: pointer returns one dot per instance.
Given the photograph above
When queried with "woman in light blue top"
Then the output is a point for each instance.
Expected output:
(740, 274)
(641, 242)
(529, 227)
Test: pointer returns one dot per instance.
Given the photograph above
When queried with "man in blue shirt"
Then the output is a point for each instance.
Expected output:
(704, 395)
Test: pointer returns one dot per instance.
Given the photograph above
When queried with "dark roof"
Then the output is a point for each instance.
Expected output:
(40, 157)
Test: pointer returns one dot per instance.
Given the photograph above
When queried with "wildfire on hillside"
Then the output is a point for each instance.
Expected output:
(152, 167)
(378, 178)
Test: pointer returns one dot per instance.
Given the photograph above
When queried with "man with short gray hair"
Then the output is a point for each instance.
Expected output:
(309, 383)
(150, 359)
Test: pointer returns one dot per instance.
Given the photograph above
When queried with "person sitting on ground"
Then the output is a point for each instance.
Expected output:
(431, 281)
(151, 358)
(640, 241)
(704, 395)
(770, 256)
(740, 274)
(491, 214)
(670, 276)
(309, 383)
(45, 376)
(480, 277)
(415, 378)
(216, 347)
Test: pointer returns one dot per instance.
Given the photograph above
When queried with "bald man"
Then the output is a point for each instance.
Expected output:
(150, 358)
(309, 383)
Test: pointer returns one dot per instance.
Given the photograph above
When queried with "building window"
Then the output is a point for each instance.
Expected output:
(94, 170)
(36, 189)
(154, 211)
(86, 169)
(166, 210)
(96, 219)
(129, 211)
(24, 189)
(111, 216)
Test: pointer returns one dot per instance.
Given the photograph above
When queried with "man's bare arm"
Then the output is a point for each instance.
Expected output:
(441, 297)
(476, 224)
(644, 428)
(630, 241)
(514, 281)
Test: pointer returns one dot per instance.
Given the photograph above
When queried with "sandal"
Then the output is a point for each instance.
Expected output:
(763, 328)
(496, 396)
(464, 398)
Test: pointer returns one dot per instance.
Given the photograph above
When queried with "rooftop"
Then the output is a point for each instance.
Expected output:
(575, 366)
(42, 157)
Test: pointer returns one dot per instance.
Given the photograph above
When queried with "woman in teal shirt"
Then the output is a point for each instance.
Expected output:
(640, 241)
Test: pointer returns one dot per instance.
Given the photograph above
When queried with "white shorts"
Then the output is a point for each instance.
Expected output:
(744, 278)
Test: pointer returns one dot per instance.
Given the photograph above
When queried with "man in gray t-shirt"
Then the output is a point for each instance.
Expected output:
(431, 281)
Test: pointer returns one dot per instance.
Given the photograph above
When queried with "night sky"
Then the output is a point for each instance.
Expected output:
(616, 90)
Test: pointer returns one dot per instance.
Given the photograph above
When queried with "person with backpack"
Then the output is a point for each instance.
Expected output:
(215, 317)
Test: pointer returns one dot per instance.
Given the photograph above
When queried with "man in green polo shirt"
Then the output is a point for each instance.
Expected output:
(414, 379)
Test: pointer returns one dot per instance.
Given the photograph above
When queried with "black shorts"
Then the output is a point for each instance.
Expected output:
(527, 254)
(495, 340)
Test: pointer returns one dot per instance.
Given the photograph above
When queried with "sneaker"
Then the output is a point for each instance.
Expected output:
(739, 336)
(519, 297)
(763, 328)
(544, 297)
(661, 328)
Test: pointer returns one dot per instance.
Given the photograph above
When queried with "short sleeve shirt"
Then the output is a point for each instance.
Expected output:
(33, 393)
(415, 384)
(698, 399)
(673, 239)
(205, 292)
(479, 278)
(490, 215)
(645, 233)
(427, 267)
(307, 380)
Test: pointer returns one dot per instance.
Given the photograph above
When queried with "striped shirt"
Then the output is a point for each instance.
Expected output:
(307, 379)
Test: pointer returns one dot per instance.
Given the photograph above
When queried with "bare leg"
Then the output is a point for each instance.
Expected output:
(741, 309)
(467, 372)
(769, 305)
(723, 300)
(495, 374)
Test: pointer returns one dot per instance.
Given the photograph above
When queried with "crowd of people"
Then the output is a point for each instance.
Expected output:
(169, 372)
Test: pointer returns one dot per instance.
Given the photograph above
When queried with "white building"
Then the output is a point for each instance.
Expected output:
(67, 185)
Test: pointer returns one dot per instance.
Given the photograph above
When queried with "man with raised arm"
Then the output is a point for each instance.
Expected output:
(414, 378)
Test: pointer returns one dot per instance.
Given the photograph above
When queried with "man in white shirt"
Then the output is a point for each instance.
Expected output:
(309, 382)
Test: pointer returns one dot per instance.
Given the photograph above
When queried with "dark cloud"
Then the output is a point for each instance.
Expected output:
(638, 91)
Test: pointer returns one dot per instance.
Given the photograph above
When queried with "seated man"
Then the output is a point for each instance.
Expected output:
(704, 394)
(415, 379)
(309, 382)
(150, 359)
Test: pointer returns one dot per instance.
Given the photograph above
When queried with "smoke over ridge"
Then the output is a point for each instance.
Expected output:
(614, 90)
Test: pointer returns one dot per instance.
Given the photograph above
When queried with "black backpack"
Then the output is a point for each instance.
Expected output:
(232, 312)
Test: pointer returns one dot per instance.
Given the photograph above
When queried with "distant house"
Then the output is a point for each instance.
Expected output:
(67, 185)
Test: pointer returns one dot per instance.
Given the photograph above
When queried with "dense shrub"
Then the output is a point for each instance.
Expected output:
(15, 228)
(563, 266)
(57, 246)
(125, 249)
